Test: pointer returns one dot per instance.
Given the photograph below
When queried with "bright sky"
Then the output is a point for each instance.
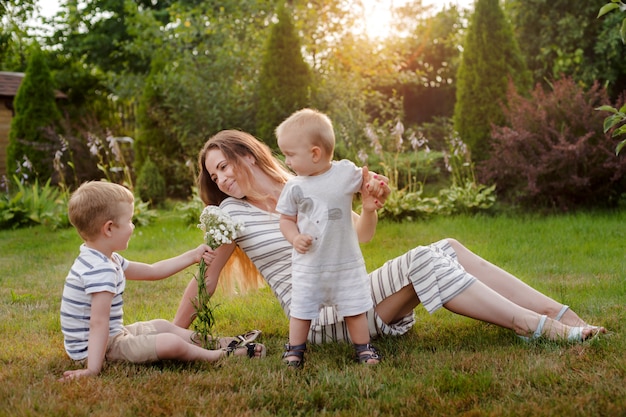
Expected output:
(49, 7)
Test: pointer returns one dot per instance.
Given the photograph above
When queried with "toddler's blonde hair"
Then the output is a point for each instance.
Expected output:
(313, 126)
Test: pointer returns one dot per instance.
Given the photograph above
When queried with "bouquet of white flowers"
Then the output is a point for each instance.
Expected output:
(219, 228)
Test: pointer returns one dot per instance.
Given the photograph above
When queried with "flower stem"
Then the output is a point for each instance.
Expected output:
(205, 320)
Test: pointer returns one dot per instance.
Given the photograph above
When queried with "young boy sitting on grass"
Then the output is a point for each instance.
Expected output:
(91, 307)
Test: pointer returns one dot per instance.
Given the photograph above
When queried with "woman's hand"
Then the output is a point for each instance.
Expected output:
(374, 190)
(374, 193)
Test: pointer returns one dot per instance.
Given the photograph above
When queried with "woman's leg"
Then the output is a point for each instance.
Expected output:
(185, 311)
(432, 270)
(397, 305)
(482, 303)
(511, 287)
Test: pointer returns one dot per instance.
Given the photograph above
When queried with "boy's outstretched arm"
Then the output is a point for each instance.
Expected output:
(98, 336)
(168, 267)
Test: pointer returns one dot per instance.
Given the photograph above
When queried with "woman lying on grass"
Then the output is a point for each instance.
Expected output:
(239, 173)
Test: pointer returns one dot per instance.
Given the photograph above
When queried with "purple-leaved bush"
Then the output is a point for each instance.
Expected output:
(553, 153)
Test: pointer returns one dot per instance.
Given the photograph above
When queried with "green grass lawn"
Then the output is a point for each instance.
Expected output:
(447, 365)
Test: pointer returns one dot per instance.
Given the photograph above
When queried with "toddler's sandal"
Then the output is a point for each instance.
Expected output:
(366, 353)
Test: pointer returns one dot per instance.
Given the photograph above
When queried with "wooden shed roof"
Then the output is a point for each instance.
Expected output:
(10, 82)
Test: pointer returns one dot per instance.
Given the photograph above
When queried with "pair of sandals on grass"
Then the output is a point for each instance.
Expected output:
(366, 353)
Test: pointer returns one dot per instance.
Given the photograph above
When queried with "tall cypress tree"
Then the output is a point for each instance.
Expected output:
(491, 57)
(285, 80)
(156, 138)
(36, 114)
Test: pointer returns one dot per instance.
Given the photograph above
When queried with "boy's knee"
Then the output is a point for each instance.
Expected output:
(170, 346)
(161, 325)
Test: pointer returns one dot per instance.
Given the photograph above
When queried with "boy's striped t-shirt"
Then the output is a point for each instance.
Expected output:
(92, 272)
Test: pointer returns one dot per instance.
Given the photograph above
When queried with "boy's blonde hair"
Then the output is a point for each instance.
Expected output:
(313, 126)
(95, 203)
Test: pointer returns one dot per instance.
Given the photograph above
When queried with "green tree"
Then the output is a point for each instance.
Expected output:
(342, 74)
(156, 140)
(101, 32)
(202, 80)
(285, 81)
(559, 40)
(429, 61)
(36, 114)
(490, 60)
(150, 184)
(14, 37)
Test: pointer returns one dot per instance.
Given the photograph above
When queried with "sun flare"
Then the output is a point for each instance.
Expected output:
(377, 18)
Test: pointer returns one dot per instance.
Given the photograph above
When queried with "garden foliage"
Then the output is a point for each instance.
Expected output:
(34, 204)
(156, 138)
(285, 80)
(562, 38)
(407, 160)
(491, 58)
(35, 111)
(553, 152)
(150, 184)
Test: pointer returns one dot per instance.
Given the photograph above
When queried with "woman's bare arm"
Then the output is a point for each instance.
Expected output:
(186, 309)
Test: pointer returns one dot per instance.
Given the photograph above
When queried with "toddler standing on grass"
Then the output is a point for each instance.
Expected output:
(316, 218)
(92, 304)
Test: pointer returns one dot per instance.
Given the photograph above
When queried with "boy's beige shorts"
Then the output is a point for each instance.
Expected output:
(136, 343)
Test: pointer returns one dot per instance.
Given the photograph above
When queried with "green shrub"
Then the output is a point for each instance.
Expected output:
(469, 198)
(409, 162)
(36, 114)
(192, 209)
(150, 184)
(46, 205)
(143, 215)
(285, 79)
(32, 205)
(553, 153)
(491, 57)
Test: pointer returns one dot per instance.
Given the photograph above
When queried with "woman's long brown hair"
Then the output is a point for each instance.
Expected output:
(239, 272)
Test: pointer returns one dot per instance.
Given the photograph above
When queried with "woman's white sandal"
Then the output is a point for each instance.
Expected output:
(241, 340)
(561, 313)
(538, 332)
(251, 349)
(575, 334)
(569, 337)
